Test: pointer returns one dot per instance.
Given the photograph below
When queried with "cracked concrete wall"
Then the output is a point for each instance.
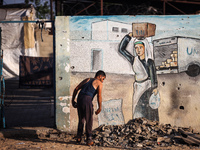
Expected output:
(179, 100)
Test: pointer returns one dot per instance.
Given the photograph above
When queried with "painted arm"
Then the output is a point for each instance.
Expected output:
(122, 48)
(99, 98)
(153, 76)
(74, 104)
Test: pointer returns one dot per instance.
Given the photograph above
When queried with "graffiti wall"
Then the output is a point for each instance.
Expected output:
(151, 62)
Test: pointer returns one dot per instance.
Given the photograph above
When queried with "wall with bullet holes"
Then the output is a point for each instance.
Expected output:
(85, 44)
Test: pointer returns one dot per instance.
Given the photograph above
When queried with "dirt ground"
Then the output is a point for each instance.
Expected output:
(66, 143)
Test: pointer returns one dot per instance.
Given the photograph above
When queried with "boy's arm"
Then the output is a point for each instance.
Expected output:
(74, 104)
(99, 98)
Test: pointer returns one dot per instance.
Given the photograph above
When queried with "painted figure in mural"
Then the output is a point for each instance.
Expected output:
(88, 89)
(145, 76)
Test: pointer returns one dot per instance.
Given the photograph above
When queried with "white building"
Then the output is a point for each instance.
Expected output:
(110, 30)
(101, 50)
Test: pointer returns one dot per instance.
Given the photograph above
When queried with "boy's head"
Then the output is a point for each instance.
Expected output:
(101, 75)
(100, 72)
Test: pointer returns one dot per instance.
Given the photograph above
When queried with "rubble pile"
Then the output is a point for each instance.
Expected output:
(142, 133)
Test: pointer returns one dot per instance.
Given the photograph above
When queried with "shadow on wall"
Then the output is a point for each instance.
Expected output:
(177, 91)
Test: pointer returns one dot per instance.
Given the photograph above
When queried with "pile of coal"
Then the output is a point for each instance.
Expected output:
(142, 133)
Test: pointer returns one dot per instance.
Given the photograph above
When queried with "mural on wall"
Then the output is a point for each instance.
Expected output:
(113, 43)
(111, 113)
(98, 38)
(144, 68)
(177, 54)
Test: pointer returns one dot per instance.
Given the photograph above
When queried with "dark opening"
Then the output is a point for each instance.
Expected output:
(115, 29)
(123, 30)
(96, 60)
(193, 70)
(181, 107)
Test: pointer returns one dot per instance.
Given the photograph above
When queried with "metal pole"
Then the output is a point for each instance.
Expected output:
(51, 3)
(22, 21)
(186, 2)
(56, 9)
(54, 66)
(85, 9)
(164, 7)
(2, 89)
(61, 7)
(176, 8)
(101, 7)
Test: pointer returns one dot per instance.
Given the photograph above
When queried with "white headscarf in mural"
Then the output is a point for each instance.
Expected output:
(148, 49)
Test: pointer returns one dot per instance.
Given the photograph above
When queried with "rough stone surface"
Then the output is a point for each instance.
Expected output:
(140, 132)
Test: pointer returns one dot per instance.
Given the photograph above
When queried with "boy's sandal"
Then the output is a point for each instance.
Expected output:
(90, 143)
(78, 140)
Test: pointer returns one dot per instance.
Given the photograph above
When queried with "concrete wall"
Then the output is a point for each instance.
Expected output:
(78, 37)
(179, 100)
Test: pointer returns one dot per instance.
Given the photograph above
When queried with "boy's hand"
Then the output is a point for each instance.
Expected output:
(74, 104)
(97, 111)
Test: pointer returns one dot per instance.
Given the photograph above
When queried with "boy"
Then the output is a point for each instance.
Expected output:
(88, 89)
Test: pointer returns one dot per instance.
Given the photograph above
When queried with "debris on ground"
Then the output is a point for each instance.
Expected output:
(139, 133)
(143, 133)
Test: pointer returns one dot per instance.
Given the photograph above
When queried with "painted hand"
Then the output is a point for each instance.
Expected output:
(130, 34)
(155, 91)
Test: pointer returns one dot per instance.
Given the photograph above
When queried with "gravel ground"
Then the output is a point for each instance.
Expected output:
(137, 134)
(66, 143)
